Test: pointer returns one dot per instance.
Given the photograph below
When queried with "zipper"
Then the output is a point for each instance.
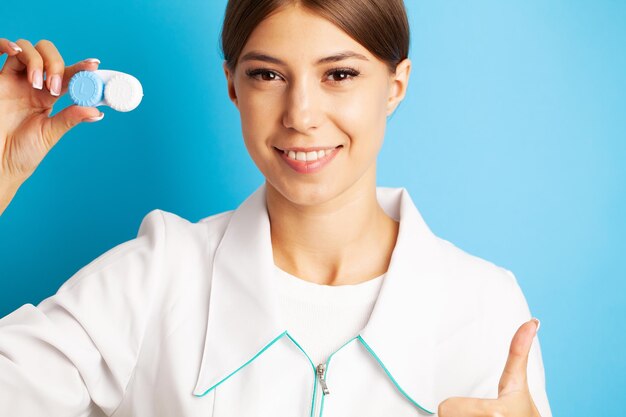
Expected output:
(321, 370)
(320, 374)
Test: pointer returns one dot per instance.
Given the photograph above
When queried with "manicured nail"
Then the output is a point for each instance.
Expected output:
(15, 47)
(55, 85)
(95, 119)
(92, 60)
(38, 79)
(536, 320)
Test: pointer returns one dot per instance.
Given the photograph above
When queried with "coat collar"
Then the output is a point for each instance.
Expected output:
(243, 317)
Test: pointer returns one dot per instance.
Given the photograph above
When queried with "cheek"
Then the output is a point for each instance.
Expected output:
(249, 109)
(258, 119)
(362, 116)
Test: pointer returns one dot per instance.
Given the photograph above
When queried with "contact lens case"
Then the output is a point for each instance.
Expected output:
(118, 90)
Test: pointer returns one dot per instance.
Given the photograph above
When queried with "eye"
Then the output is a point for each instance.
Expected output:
(266, 75)
(343, 74)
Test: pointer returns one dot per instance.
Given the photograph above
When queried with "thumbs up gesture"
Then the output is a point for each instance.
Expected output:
(514, 399)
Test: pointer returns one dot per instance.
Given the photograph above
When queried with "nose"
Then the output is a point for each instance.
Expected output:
(303, 112)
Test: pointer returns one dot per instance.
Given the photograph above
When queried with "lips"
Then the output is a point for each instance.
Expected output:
(314, 149)
(309, 167)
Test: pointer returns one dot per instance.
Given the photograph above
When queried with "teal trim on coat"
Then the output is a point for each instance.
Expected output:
(277, 338)
(369, 349)
(238, 369)
(359, 338)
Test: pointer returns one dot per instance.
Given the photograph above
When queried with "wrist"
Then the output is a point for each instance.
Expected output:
(8, 189)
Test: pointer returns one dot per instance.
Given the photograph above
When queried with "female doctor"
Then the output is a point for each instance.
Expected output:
(266, 310)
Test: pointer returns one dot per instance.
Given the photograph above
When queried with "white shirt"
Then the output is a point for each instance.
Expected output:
(322, 318)
(183, 321)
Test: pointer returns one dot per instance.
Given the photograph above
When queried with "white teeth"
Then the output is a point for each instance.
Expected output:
(308, 156)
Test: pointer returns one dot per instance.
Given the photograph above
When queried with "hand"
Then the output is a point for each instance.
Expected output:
(514, 398)
(26, 132)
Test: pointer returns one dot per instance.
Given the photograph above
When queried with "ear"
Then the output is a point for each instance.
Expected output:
(232, 94)
(399, 83)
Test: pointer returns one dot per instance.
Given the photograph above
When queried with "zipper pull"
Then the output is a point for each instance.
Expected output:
(321, 368)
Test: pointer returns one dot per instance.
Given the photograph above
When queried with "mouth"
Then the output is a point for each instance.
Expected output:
(307, 154)
(313, 149)
(308, 162)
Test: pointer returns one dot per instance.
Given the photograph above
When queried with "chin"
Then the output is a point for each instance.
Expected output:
(303, 194)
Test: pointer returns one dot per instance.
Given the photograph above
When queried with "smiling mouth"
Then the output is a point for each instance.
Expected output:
(313, 149)
(307, 154)
(311, 162)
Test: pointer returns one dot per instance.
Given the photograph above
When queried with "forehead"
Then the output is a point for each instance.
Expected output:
(295, 33)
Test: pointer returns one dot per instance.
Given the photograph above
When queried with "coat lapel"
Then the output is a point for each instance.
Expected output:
(401, 329)
(242, 313)
(243, 320)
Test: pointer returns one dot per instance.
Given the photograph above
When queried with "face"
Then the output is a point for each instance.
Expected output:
(303, 85)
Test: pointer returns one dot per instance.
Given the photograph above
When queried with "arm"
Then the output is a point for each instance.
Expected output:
(512, 383)
(75, 352)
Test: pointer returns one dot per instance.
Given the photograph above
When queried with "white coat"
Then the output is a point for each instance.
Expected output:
(182, 321)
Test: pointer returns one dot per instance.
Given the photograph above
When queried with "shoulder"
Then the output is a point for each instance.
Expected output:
(161, 224)
(474, 289)
(183, 249)
(471, 273)
(164, 240)
(173, 237)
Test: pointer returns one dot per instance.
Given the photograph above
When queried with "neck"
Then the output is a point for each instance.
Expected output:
(346, 240)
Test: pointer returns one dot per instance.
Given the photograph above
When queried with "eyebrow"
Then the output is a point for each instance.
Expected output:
(340, 56)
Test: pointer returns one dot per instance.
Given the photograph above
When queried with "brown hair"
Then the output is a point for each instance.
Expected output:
(381, 26)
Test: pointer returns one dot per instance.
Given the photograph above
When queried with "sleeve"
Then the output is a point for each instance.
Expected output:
(505, 309)
(74, 353)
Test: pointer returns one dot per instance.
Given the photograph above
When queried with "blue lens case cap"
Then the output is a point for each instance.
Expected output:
(86, 88)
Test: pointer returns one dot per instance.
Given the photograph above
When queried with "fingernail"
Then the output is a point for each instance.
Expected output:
(38, 79)
(55, 85)
(92, 60)
(96, 118)
(536, 320)
(15, 47)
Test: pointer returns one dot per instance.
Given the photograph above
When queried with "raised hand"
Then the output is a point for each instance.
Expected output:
(514, 399)
(27, 133)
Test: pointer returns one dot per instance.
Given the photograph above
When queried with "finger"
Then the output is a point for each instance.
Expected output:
(469, 407)
(514, 375)
(53, 65)
(59, 124)
(28, 59)
(8, 47)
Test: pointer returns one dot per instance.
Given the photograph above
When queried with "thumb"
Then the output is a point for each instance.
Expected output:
(514, 376)
(59, 124)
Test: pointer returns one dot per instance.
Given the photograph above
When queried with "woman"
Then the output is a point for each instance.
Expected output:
(320, 295)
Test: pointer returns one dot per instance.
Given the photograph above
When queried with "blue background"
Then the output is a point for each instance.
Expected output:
(511, 141)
